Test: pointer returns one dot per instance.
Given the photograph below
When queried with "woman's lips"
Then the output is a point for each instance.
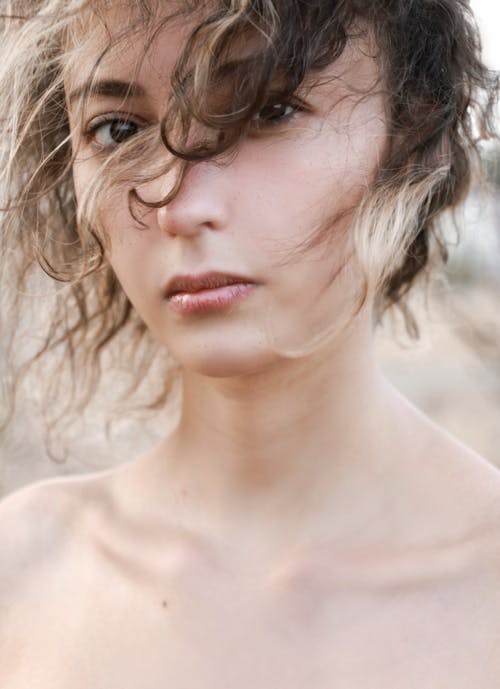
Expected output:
(210, 299)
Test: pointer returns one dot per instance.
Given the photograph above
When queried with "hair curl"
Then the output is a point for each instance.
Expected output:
(440, 100)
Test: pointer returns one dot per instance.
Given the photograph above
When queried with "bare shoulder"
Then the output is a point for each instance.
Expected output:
(33, 522)
(44, 557)
(38, 524)
(469, 503)
(459, 487)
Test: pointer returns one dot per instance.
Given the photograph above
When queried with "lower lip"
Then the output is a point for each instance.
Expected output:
(208, 300)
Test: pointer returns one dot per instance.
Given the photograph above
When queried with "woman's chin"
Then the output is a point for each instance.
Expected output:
(226, 362)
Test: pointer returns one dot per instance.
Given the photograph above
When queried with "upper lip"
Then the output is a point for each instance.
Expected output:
(195, 283)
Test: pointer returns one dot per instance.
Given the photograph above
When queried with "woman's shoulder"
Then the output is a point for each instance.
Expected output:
(40, 522)
(47, 559)
(32, 517)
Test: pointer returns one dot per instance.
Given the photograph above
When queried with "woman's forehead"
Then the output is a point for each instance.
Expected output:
(120, 43)
(111, 18)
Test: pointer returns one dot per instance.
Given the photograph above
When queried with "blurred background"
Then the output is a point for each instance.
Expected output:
(452, 373)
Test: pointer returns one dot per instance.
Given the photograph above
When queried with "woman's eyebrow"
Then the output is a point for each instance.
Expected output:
(109, 88)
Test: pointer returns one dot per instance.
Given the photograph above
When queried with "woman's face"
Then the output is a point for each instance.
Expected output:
(244, 218)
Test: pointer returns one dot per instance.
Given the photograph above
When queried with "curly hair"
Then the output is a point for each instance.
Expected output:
(440, 100)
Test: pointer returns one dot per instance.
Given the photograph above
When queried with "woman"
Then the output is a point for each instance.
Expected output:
(249, 185)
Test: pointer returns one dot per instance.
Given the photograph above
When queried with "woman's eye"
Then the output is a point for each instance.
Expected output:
(106, 134)
(275, 113)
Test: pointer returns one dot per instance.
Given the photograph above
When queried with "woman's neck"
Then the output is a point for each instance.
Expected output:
(290, 451)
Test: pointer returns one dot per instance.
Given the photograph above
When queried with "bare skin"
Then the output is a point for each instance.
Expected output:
(96, 591)
(304, 525)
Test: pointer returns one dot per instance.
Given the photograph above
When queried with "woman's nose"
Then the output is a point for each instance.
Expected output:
(201, 202)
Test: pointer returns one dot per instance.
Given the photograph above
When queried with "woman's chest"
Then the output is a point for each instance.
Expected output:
(212, 634)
